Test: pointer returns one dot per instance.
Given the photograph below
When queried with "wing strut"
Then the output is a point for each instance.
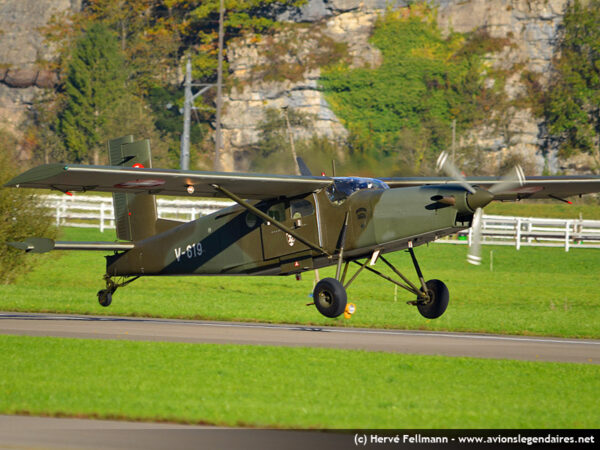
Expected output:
(268, 218)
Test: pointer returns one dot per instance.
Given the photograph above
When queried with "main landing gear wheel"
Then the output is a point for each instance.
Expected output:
(438, 300)
(330, 297)
(105, 297)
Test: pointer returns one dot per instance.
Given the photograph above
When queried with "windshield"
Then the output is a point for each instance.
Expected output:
(342, 188)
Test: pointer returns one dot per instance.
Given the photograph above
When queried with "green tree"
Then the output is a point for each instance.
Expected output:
(573, 102)
(273, 152)
(400, 114)
(21, 216)
(95, 86)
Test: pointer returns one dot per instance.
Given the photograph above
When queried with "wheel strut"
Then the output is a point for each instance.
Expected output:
(105, 295)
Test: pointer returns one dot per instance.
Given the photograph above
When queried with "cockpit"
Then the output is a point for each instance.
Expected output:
(344, 187)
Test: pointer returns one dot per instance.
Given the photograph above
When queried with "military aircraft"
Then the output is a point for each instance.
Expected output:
(283, 225)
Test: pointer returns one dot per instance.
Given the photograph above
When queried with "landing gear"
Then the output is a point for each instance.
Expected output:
(105, 295)
(330, 297)
(438, 300)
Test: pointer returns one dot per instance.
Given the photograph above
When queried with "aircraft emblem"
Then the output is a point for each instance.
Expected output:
(290, 239)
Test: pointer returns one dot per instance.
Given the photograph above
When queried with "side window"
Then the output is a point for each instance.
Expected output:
(277, 212)
(251, 220)
(301, 208)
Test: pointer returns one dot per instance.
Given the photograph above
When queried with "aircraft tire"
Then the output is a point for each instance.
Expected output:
(105, 297)
(439, 300)
(330, 297)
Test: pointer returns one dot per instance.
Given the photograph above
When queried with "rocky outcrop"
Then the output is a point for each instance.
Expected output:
(21, 51)
(25, 78)
(529, 26)
(268, 78)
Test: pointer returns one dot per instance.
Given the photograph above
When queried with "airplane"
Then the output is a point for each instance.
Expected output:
(284, 224)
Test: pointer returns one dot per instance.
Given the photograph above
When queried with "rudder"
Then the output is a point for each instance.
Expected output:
(135, 214)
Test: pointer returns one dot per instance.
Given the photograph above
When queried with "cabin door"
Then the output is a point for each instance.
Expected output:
(299, 215)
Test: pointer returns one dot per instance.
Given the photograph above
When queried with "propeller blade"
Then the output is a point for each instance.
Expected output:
(512, 180)
(474, 255)
(444, 165)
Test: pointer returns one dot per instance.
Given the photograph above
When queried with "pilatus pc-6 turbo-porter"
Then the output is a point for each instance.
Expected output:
(282, 225)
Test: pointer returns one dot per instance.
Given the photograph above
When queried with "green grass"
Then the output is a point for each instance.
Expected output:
(535, 291)
(289, 387)
(546, 209)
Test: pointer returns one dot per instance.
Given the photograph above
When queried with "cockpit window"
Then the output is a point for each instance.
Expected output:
(301, 208)
(277, 212)
(342, 188)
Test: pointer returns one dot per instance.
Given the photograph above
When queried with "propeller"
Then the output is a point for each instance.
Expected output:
(450, 169)
(479, 197)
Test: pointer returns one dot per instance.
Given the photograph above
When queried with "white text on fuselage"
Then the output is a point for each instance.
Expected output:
(189, 252)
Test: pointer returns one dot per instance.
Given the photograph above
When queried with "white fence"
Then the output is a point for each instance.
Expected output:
(532, 231)
(97, 212)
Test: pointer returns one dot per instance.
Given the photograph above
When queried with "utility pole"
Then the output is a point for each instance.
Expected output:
(217, 165)
(184, 154)
(291, 138)
(453, 140)
(189, 98)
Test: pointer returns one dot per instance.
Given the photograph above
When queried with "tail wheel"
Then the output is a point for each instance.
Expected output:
(438, 300)
(330, 297)
(105, 297)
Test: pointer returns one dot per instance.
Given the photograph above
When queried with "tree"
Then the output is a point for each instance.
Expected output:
(573, 102)
(273, 152)
(400, 114)
(94, 89)
(21, 216)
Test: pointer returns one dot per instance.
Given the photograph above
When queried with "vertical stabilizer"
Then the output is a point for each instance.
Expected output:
(135, 214)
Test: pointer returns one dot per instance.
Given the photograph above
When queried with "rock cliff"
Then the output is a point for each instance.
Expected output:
(319, 30)
(21, 48)
(529, 25)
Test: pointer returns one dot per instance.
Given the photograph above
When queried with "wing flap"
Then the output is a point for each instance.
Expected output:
(165, 182)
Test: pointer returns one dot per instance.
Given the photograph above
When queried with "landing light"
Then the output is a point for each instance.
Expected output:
(190, 189)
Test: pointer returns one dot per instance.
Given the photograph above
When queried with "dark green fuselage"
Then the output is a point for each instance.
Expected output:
(233, 241)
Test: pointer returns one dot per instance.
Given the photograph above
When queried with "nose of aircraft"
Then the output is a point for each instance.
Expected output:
(479, 199)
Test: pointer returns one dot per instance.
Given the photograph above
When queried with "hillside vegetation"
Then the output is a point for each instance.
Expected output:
(399, 115)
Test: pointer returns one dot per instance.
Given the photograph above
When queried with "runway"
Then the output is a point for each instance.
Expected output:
(393, 341)
(28, 432)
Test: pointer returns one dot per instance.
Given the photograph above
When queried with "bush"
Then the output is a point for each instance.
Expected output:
(21, 216)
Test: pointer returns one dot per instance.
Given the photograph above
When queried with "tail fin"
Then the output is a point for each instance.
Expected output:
(304, 170)
(135, 214)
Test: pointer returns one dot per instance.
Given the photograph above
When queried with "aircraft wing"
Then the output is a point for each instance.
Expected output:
(534, 187)
(78, 178)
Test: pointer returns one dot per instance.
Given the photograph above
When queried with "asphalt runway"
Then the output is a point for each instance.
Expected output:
(25, 432)
(51, 433)
(394, 341)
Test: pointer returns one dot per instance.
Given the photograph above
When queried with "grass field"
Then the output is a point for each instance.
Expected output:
(536, 291)
(544, 208)
(289, 387)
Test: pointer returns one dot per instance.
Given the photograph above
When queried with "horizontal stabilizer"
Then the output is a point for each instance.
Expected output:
(43, 245)
(34, 245)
